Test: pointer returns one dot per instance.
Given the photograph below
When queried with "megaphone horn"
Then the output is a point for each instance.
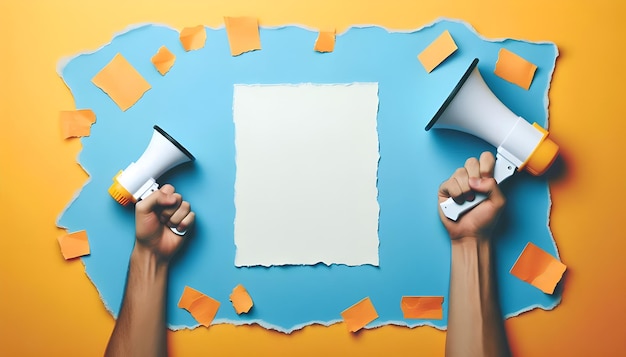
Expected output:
(472, 108)
(138, 180)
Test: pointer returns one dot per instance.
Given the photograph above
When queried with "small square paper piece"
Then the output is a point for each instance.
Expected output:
(76, 123)
(359, 315)
(538, 268)
(163, 60)
(74, 245)
(422, 307)
(193, 38)
(121, 81)
(202, 307)
(440, 49)
(243, 34)
(325, 41)
(307, 163)
(515, 69)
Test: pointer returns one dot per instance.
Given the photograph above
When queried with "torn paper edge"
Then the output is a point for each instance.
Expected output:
(259, 322)
(64, 61)
(268, 326)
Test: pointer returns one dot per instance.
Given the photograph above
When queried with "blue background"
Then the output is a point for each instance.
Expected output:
(193, 102)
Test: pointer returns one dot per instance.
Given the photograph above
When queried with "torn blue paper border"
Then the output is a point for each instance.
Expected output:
(193, 102)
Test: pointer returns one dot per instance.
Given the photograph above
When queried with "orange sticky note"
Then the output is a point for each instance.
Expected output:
(193, 38)
(74, 245)
(76, 123)
(359, 315)
(202, 307)
(325, 41)
(163, 60)
(242, 302)
(515, 69)
(438, 50)
(539, 268)
(121, 81)
(243, 34)
(422, 307)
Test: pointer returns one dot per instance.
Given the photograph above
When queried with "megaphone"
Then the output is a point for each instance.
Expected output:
(138, 180)
(472, 108)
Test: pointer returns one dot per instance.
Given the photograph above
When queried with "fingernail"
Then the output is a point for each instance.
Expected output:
(474, 181)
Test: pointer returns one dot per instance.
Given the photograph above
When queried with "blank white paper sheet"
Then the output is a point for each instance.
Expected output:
(305, 186)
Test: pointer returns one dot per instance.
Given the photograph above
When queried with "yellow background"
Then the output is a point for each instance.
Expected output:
(48, 307)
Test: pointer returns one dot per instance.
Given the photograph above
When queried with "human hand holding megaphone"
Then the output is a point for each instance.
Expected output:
(472, 108)
(138, 180)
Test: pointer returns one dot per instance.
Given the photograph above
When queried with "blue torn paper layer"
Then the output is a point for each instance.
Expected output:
(194, 102)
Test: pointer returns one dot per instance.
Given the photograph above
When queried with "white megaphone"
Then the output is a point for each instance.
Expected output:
(472, 108)
(138, 180)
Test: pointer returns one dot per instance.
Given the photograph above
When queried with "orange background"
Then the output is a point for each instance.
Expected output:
(48, 307)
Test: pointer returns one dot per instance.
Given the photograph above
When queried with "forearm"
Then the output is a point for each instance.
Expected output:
(140, 329)
(475, 325)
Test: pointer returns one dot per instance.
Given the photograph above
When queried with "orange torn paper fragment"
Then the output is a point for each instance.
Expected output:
(243, 34)
(325, 41)
(121, 81)
(515, 69)
(193, 38)
(438, 50)
(202, 307)
(359, 315)
(538, 268)
(163, 60)
(76, 123)
(242, 302)
(422, 307)
(74, 245)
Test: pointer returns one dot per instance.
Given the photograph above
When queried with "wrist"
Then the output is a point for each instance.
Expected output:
(147, 260)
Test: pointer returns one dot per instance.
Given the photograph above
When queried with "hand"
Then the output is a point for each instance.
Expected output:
(153, 218)
(475, 176)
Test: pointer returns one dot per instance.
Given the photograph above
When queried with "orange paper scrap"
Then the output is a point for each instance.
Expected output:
(325, 41)
(121, 81)
(243, 34)
(242, 302)
(193, 38)
(359, 315)
(76, 123)
(437, 51)
(515, 69)
(163, 60)
(74, 245)
(539, 268)
(422, 307)
(202, 307)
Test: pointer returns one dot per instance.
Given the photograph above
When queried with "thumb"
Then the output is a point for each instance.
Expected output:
(163, 197)
(489, 187)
